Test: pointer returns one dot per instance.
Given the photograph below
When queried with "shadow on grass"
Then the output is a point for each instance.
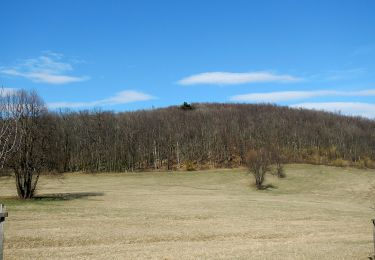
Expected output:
(47, 199)
(67, 196)
(267, 187)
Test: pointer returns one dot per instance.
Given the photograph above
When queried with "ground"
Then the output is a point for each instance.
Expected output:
(317, 212)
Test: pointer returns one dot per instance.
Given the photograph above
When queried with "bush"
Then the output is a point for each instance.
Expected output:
(258, 163)
(340, 163)
(190, 166)
(369, 163)
(280, 172)
(360, 164)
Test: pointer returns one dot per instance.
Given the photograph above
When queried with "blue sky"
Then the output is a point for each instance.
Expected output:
(126, 55)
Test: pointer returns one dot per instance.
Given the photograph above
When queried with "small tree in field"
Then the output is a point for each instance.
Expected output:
(27, 161)
(278, 159)
(280, 171)
(258, 163)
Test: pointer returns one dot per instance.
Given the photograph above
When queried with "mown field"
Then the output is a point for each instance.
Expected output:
(317, 212)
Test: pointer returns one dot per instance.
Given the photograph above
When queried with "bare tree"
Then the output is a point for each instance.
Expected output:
(9, 119)
(258, 163)
(28, 161)
(278, 159)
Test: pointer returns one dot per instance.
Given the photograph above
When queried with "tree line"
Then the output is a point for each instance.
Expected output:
(189, 136)
(208, 135)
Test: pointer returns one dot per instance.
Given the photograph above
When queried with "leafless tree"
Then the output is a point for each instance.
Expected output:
(278, 158)
(28, 161)
(9, 120)
(258, 163)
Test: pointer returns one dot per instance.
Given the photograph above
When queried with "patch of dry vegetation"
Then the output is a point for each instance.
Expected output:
(317, 212)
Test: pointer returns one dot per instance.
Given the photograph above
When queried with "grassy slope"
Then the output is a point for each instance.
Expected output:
(318, 212)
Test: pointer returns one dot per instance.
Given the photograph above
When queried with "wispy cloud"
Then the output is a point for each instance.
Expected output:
(347, 108)
(334, 75)
(123, 97)
(47, 68)
(230, 78)
(297, 95)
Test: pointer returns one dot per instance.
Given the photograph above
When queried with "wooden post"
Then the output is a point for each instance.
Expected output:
(373, 222)
(3, 215)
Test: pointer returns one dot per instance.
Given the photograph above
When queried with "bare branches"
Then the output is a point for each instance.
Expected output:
(22, 140)
(258, 163)
(10, 113)
(29, 160)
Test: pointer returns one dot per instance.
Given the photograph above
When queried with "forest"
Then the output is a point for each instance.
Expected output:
(187, 136)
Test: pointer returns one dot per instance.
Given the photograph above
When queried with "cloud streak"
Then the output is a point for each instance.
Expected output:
(230, 78)
(123, 97)
(347, 108)
(337, 75)
(297, 95)
(47, 68)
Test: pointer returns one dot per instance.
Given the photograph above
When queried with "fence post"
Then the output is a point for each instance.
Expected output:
(3, 215)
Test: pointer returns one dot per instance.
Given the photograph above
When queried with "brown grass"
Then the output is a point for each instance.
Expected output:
(317, 212)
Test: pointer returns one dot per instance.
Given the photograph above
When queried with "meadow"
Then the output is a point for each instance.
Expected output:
(317, 212)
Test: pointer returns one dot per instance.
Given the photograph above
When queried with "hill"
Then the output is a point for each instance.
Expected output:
(201, 136)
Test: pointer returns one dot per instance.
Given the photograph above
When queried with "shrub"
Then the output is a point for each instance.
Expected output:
(190, 166)
(360, 164)
(340, 163)
(280, 172)
(258, 163)
(369, 163)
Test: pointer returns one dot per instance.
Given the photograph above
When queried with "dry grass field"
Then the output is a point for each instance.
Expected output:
(317, 212)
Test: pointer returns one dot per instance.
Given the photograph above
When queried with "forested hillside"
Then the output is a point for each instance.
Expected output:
(201, 136)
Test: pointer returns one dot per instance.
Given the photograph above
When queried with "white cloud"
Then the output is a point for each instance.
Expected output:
(277, 96)
(126, 96)
(123, 97)
(44, 77)
(361, 93)
(47, 68)
(347, 108)
(229, 78)
(295, 95)
(334, 75)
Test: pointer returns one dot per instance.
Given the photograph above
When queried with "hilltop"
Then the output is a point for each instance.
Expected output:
(205, 135)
